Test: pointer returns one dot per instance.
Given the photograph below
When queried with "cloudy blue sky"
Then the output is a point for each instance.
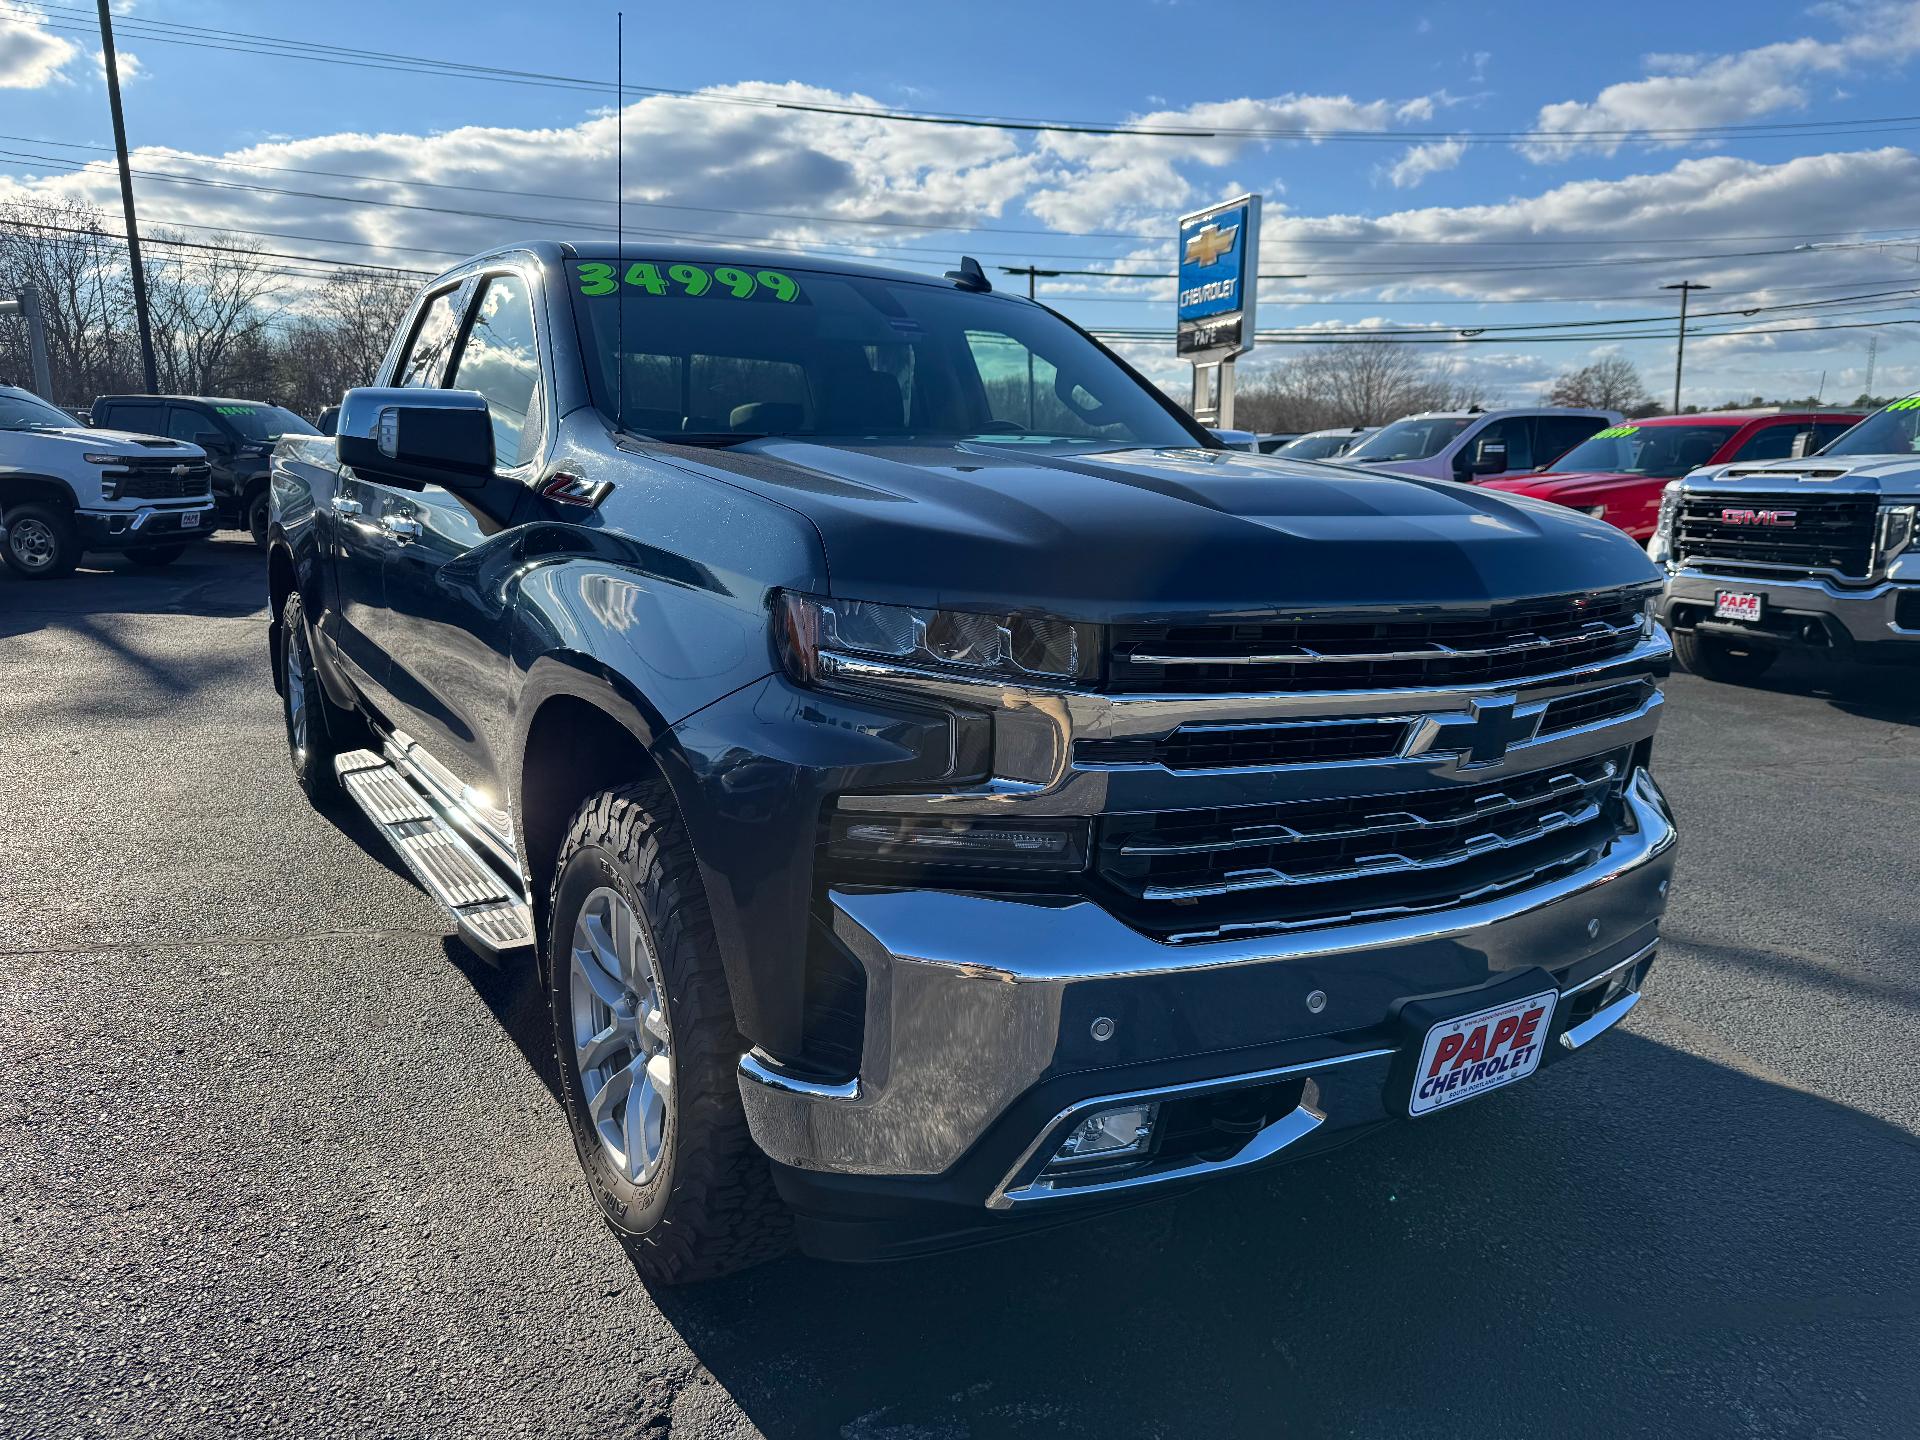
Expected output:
(1440, 166)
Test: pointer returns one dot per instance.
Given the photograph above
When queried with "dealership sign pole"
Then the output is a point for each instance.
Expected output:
(1219, 257)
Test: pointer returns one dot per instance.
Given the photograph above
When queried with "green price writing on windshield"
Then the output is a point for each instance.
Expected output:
(598, 278)
(233, 410)
(1616, 432)
(1912, 402)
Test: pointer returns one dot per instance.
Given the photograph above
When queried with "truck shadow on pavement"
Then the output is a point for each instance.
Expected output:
(1889, 693)
(1646, 1242)
(1641, 1241)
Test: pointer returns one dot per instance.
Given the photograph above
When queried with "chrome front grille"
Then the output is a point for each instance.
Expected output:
(1454, 647)
(1316, 862)
(1741, 533)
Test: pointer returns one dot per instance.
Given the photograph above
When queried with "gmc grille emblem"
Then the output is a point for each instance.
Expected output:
(1779, 519)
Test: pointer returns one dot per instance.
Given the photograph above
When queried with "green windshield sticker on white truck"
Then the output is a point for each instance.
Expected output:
(1616, 432)
(727, 281)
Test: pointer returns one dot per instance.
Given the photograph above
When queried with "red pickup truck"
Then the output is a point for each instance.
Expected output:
(1618, 474)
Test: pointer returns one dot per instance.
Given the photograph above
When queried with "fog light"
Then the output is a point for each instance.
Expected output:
(1108, 1134)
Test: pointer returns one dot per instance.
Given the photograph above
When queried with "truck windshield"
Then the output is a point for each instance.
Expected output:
(718, 354)
(1894, 431)
(1420, 438)
(1668, 451)
(264, 422)
(25, 412)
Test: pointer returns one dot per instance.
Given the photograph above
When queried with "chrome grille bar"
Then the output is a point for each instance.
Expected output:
(1434, 650)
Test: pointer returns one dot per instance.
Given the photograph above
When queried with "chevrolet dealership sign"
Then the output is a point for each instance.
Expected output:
(1219, 255)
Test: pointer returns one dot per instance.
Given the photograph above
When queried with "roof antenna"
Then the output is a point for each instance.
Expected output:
(970, 276)
(620, 212)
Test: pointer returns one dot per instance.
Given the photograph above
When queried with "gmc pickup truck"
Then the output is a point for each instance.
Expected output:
(1816, 555)
(941, 790)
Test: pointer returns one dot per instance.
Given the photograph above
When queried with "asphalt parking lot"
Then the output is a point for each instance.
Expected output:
(278, 1156)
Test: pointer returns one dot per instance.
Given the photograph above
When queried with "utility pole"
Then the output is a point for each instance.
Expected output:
(126, 200)
(1873, 354)
(1685, 287)
(27, 306)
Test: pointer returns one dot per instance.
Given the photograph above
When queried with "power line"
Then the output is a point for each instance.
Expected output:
(1160, 337)
(63, 17)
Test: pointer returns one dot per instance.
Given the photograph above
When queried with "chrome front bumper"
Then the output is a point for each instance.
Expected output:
(973, 1000)
(1864, 613)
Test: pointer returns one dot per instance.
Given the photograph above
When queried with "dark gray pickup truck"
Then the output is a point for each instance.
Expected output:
(941, 790)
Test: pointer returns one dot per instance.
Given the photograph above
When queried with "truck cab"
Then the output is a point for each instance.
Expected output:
(1474, 445)
(238, 436)
(1619, 474)
(66, 489)
(940, 791)
(1813, 554)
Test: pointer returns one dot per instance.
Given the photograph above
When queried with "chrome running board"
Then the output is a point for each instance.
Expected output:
(493, 917)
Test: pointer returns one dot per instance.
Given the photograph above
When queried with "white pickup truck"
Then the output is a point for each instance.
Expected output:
(65, 490)
(1816, 554)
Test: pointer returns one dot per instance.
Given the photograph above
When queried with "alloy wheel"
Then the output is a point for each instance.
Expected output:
(295, 680)
(622, 1042)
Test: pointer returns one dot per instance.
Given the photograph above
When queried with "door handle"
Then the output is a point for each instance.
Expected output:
(346, 505)
(400, 527)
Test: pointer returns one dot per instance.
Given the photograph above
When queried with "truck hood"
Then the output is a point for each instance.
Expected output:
(1574, 487)
(1139, 534)
(108, 442)
(1897, 475)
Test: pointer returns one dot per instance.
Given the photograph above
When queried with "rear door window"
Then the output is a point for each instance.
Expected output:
(1769, 442)
(1557, 434)
(139, 419)
(1516, 433)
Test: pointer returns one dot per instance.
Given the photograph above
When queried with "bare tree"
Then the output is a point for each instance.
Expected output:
(208, 312)
(1368, 383)
(1609, 383)
(77, 266)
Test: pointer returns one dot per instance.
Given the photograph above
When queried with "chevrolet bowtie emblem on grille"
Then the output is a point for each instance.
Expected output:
(1208, 245)
(1483, 735)
(1779, 519)
(180, 472)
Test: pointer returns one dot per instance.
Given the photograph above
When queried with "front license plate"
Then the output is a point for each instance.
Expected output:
(190, 520)
(1733, 605)
(1472, 1054)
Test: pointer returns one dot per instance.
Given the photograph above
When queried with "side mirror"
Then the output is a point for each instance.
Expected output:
(1802, 445)
(1489, 458)
(414, 438)
(211, 441)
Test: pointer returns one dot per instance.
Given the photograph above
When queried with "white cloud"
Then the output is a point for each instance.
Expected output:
(31, 56)
(1420, 161)
(1103, 180)
(1687, 91)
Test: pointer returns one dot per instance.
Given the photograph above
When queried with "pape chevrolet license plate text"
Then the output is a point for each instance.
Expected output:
(1472, 1054)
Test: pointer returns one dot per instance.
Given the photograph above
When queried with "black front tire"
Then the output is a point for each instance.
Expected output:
(259, 517)
(42, 543)
(317, 729)
(709, 1207)
(1713, 657)
(152, 557)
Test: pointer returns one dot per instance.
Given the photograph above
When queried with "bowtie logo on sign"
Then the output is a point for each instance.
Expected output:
(1210, 244)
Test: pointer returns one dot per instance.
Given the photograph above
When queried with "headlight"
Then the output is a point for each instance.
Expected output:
(95, 459)
(1598, 512)
(1025, 649)
(1660, 547)
(1896, 530)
